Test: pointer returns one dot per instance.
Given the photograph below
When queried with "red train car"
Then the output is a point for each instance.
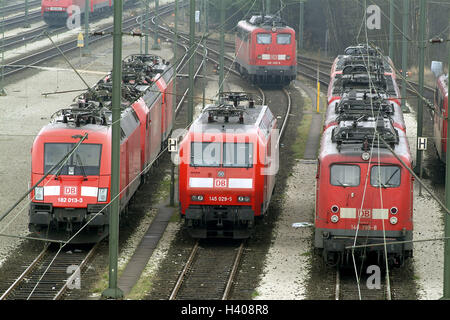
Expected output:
(440, 115)
(76, 194)
(266, 50)
(229, 159)
(364, 195)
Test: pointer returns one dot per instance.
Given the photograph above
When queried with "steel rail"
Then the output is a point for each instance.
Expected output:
(184, 272)
(233, 272)
(27, 271)
(72, 277)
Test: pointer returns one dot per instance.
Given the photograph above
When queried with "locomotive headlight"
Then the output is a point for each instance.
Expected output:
(102, 194)
(334, 218)
(259, 56)
(288, 57)
(243, 199)
(394, 210)
(334, 208)
(393, 220)
(39, 193)
(365, 156)
(197, 198)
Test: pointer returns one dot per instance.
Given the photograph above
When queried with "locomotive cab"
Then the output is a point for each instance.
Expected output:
(75, 192)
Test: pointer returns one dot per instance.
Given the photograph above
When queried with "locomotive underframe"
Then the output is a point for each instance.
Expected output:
(44, 218)
(269, 74)
(334, 242)
(234, 222)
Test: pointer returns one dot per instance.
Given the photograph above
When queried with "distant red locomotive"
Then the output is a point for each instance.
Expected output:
(440, 115)
(364, 196)
(57, 12)
(266, 50)
(77, 192)
(229, 159)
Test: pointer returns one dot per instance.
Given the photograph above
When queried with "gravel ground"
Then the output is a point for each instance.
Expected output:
(288, 259)
(428, 223)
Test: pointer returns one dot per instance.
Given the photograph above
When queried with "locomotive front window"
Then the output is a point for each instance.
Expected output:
(238, 155)
(205, 154)
(284, 38)
(264, 38)
(345, 175)
(385, 176)
(84, 161)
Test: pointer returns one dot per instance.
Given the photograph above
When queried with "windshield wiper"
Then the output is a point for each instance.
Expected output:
(387, 182)
(82, 166)
(344, 185)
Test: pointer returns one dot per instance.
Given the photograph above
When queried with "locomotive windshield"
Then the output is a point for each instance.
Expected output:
(84, 161)
(385, 176)
(208, 154)
(205, 154)
(238, 155)
(284, 38)
(264, 38)
(345, 175)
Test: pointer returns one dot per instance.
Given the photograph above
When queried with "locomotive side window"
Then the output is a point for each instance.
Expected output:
(238, 155)
(284, 38)
(345, 175)
(205, 154)
(385, 176)
(84, 161)
(264, 38)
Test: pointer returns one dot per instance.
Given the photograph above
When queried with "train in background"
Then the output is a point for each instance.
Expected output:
(57, 12)
(265, 50)
(440, 115)
(354, 70)
(364, 194)
(229, 159)
(77, 192)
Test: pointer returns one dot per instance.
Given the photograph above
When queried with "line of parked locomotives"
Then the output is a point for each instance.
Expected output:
(229, 159)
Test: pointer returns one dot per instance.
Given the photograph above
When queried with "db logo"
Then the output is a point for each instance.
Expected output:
(70, 191)
(220, 183)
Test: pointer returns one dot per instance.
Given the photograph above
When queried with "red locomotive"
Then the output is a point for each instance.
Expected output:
(440, 115)
(364, 195)
(56, 12)
(266, 50)
(356, 70)
(78, 191)
(229, 159)
(363, 103)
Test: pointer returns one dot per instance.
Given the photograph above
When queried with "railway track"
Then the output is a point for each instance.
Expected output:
(67, 46)
(49, 275)
(209, 272)
(369, 288)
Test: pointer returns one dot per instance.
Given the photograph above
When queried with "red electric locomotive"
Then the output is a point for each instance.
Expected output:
(266, 50)
(364, 196)
(364, 103)
(229, 159)
(77, 192)
(356, 71)
(440, 115)
(57, 12)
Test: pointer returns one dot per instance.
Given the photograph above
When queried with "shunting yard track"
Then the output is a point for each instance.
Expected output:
(47, 277)
(347, 286)
(209, 272)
